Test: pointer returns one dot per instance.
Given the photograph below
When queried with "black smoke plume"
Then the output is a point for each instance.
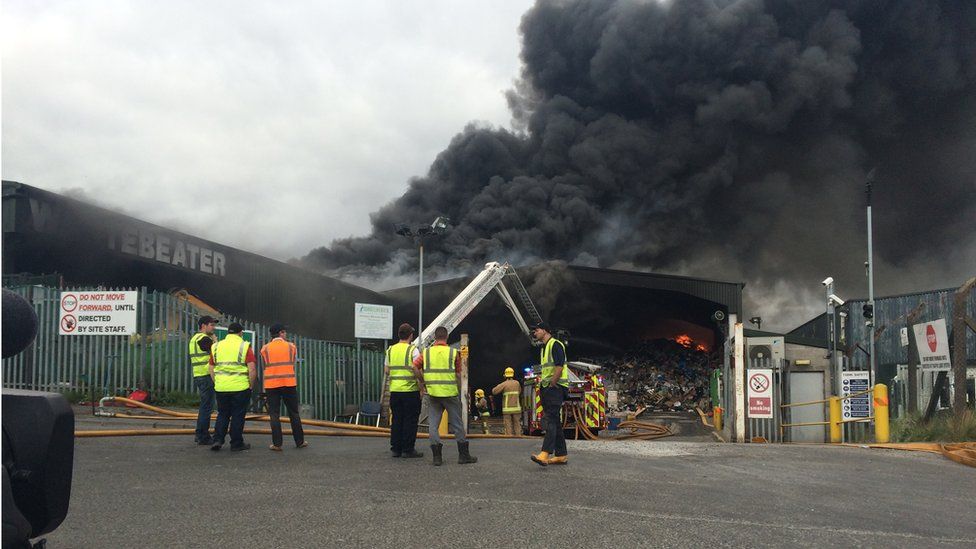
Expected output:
(726, 139)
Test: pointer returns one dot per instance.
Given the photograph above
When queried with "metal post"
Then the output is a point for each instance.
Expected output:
(420, 303)
(871, 361)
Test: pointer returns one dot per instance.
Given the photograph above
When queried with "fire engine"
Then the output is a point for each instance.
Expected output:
(586, 393)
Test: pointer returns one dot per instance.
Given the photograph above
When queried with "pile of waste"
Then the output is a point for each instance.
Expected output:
(661, 375)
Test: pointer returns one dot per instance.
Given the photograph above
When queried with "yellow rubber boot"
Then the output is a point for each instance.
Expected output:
(558, 460)
(542, 458)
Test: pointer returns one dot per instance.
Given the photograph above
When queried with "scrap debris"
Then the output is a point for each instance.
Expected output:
(662, 375)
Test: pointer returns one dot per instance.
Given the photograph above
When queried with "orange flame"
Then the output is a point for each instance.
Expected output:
(684, 340)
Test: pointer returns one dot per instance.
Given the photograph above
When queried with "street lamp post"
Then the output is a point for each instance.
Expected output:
(438, 226)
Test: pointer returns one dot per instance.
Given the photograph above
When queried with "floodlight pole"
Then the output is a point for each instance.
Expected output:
(871, 360)
(420, 304)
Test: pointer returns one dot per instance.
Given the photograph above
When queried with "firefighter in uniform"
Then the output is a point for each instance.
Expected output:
(511, 408)
(484, 411)
(234, 374)
(554, 381)
(440, 363)
(405, 391)
(199, 351)
(278, 359)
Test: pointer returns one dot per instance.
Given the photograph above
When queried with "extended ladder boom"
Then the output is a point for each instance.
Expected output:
(492, 278)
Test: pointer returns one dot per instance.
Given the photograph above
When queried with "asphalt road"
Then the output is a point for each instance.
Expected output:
(166, 492)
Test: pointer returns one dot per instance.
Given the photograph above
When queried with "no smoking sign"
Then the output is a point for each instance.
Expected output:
(760, 393)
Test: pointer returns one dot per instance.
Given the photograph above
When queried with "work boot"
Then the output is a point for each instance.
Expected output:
(205, 441)
(240, 447)
(463, 455)
(558, 460)
(436, 449)
(216, 447)
(411, 453)
(394, 453)
(542, 458)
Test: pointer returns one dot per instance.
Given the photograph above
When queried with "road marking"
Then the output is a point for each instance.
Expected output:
(668, 516)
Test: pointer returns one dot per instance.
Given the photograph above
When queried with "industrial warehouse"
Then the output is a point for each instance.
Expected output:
(604, 315)
(537, 273)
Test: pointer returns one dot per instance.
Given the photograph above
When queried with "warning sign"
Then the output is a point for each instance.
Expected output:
(853, 383)
(98, 313)
(760, 385)
(933, 345)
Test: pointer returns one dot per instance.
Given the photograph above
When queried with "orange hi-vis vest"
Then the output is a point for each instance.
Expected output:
(279, 364)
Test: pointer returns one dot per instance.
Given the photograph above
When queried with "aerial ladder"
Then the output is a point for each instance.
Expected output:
(493, 277)
(496, 277)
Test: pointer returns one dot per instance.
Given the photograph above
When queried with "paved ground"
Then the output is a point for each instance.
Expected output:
(166, 492)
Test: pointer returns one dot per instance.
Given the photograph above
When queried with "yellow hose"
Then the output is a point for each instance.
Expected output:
(255, 431)
(339, 429)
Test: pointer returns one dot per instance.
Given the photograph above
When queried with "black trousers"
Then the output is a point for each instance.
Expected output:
(552, 403)
(405, 408)
(288, 395)
(231, 408)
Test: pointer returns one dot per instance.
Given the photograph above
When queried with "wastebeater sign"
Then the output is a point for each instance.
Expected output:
(933, 345)
(98, 313)
(760, 393)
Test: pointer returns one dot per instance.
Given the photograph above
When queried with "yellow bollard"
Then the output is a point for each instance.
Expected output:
(836, 433)
(442, 429)
(717, 420)
(881, 432)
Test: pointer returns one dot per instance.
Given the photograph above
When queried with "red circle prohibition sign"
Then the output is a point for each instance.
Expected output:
(68, 323)
(759, 382)
(69, 302)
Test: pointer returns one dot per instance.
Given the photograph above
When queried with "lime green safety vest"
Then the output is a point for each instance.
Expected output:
(400, 360)
(547, 365)
(230, 368)
(199, 359)
(439, 375)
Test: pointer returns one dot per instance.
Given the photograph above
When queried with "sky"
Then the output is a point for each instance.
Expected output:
(267, 126)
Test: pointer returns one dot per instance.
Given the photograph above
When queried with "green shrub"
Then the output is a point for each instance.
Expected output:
(75, 396)
(175, 399)
(943, 427)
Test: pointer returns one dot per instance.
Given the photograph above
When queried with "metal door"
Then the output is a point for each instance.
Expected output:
(807, 387)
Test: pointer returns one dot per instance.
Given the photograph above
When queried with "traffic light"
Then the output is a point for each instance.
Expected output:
(868, 310)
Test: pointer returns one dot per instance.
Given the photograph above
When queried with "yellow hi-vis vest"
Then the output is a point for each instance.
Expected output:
(399, 358)
(230, 368)
(510, 402)
(547, 365)
(199, 359)
(439, 375)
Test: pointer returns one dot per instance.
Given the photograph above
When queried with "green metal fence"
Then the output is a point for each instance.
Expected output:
(330, 375)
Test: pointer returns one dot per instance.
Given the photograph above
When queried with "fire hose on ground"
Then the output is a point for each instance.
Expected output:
(639, 430)
(338, 428)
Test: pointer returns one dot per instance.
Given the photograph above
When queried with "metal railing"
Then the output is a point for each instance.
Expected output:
(838, 425)
(330, 374)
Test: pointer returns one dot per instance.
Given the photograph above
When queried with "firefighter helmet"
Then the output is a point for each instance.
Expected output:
(509, 372)
(480, 393)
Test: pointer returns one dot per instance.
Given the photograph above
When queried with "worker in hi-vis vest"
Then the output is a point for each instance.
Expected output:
(405, 390)
(511, 408)
(199, 351)
(440, 365)
(278, 358)
(554, 383)
(234, 374)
